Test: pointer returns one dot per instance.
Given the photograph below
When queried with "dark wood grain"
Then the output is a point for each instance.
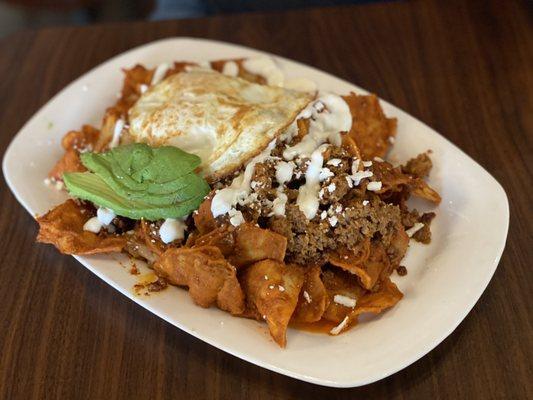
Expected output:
(464, 68)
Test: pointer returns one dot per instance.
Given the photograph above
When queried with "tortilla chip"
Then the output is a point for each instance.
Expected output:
(152, 242)
(63, 227)
(222, 237)
(423, 190)
(85, 138)
(313, 298)
(398, 247)
(371, 129)
(254, 244)
(272, 289)
(209, 277)
(73, 142)
(338, 282)
(376, 302)
(348, 144)
(70, 162)
(367, 263)
(203, 218)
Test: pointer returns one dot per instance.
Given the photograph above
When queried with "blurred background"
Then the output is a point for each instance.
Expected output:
(16, 15)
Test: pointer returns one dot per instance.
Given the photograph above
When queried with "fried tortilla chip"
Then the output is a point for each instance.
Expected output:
(393, 180)
(70, 162)
(63, 227)
(371, 129)
(367, 263)
(203, 218)
(272, 289)
(253, 244)
(222, 237)
(73, 142)
(313, 298)
(338, 282)
(375, 302)
(245, 244)
(423, 190)
(210, 278)
(398, 247)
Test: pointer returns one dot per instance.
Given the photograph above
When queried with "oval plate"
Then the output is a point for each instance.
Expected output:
(445, 278)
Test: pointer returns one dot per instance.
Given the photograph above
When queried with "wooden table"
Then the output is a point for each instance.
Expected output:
(464, 69)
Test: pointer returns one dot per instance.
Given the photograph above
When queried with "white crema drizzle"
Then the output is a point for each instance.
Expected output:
(328, 115)
(237, 193)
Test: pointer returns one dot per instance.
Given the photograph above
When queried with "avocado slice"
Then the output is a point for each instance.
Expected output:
(89, 186)
(138, 181)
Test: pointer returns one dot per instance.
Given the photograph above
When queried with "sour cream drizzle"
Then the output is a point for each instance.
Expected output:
(159, 73)
(265, 67)
(325, 125)
(328, 115)
(227, 198)
(284, 172)
(307, 200)
(172, 229)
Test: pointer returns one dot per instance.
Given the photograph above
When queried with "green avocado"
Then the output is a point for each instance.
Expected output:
(138, 181)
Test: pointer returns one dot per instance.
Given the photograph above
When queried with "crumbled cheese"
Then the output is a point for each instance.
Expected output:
(332, 187)
(319, 106)
(143, 88)
(338, 209)
(284, 171)
(350, 182)
(344, 300)
(281, 288)
(367, 164)
(266, 277)
(414, 229)
(365, 202)
(230, 68)
(279, 203)
(159, 73)
(379, 159)
(355, 165)
(340, 327)
(236, 217)
(335, 162)
(271, 287)
(307, 297)
(172, 229)
(92, 225)
(117, 131)
(360, 175)
(325, 173)
(374, 186)
(323, 215)
(333, 220)
(105, 215)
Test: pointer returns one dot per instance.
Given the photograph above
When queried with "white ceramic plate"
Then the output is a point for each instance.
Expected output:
(445, 278)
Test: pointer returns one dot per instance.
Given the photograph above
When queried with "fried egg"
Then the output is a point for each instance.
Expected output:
(225, 120)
